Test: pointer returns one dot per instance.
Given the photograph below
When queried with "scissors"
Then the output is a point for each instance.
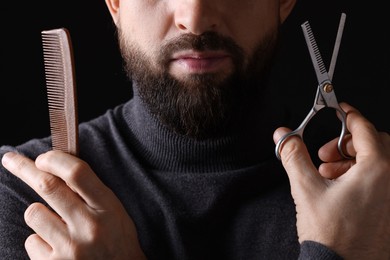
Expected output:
(325, 96)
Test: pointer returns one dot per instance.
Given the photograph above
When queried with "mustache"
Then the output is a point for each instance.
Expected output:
(206, 41)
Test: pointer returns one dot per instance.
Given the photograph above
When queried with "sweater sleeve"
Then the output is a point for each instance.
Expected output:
(15, 197)
(13, 229)
(311, 250)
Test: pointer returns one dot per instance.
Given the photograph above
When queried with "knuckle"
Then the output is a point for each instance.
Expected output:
(367, 125)
(290, 151)
(93, 231)
(48, 184)
(74, 173)
(93, 225)
(45, 158)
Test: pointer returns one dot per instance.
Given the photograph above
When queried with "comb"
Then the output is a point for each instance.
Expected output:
(61, 89)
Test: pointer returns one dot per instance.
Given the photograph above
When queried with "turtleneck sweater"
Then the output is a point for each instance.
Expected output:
(225, 197)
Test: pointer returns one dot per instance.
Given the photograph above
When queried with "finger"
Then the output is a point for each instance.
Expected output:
(296, 160)
(78, 176)
(37, 248)
(51, 188)
(330, 153)
(335, 169)
(365, 137)
(47, 224)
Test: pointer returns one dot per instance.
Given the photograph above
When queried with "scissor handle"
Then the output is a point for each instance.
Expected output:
(299, 132)
(344, 132)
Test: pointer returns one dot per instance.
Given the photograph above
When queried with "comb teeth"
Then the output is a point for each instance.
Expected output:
(61, 90)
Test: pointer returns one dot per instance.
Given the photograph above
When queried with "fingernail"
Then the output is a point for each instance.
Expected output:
(7, 157)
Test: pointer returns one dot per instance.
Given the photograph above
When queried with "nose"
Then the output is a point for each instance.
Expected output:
(196, 16)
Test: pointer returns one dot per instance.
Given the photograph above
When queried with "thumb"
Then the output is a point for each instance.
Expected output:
(303, 175)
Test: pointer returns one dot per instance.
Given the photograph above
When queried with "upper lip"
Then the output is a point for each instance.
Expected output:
(191, 54)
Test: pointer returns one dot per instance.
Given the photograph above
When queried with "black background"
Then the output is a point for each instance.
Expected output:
(361, 74)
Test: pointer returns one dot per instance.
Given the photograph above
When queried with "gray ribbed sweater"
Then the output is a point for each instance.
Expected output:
(223, 198)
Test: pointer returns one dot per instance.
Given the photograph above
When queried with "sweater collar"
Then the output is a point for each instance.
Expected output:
(162, 149)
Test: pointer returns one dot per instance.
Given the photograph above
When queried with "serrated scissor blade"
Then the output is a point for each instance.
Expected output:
(319, 66)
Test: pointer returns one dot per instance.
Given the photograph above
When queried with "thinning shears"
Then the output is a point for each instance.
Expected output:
(325, 96)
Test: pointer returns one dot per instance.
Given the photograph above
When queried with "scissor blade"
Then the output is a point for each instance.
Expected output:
(336, 46)
(319, 66)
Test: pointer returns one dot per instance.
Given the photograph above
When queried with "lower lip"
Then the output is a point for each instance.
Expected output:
(203, 65)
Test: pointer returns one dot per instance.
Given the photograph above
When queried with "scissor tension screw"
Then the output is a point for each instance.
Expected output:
(328, 88)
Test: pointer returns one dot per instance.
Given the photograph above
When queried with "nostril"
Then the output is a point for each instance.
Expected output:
(181, 27)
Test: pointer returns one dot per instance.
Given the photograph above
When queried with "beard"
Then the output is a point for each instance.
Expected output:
(199, 105)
